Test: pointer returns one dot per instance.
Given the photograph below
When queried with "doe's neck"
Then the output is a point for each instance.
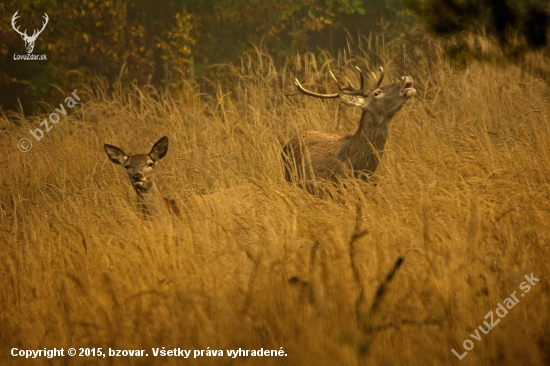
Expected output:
(150, 199)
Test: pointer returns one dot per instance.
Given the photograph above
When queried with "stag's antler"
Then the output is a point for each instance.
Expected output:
(380, 79)
(17, 29)
(350, 89)
(35, 34)
(24, 34)
(313, 94)
(347, 90)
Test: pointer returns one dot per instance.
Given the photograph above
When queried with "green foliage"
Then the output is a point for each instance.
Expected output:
(134, 42)
(169, 43)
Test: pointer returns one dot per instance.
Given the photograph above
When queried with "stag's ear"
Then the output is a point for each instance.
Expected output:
(159, 150)
(115, 154)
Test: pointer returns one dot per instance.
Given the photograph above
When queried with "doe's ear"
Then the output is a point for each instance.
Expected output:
(160, 148)
(116, 155)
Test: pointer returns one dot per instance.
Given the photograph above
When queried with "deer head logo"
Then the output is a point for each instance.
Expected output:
(29, 41)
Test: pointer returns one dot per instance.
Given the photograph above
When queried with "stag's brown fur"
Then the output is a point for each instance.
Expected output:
(313, 155)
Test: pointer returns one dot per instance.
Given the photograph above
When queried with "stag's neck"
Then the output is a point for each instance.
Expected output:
(150, 200)
(365, 148)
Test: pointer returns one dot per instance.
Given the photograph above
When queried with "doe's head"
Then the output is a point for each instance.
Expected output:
(140, 166)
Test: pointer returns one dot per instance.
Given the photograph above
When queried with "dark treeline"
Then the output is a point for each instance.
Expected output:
(167, 43)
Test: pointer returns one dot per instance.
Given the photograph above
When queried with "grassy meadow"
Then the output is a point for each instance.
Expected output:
(462, 195)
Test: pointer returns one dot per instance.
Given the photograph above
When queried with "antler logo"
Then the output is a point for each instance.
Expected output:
(29, 41)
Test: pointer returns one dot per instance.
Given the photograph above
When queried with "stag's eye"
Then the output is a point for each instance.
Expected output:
(150, 165)
(127, 166)
(377, 93)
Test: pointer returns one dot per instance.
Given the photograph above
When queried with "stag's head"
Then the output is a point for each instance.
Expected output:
(29, 40)
(384, 101)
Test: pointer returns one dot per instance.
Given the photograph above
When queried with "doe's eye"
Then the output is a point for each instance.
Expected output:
(150, 165)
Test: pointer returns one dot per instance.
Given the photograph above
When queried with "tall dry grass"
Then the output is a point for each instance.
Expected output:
(462, 194)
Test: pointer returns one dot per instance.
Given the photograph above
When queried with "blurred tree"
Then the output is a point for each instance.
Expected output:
(229, 28)
(515, 26)
(163, 43)
(131, 41)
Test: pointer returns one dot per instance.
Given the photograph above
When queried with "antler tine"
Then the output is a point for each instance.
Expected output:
(13, 19)
(43, 26)
(336, 81)
(313, 94)
(349, 88)
(350, 85)
(352, 90)
(46, 18)
(361, 78)
(380, 79)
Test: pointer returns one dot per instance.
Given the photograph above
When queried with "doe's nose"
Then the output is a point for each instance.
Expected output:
(137, 176)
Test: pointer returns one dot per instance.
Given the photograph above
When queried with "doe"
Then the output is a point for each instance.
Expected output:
(140, 171)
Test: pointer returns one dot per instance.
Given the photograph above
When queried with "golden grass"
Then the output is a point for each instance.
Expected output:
(463, 194)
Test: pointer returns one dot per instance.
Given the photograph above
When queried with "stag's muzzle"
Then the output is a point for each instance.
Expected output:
(407, 90)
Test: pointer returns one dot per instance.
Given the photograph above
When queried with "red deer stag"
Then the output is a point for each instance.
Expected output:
(313, 155)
